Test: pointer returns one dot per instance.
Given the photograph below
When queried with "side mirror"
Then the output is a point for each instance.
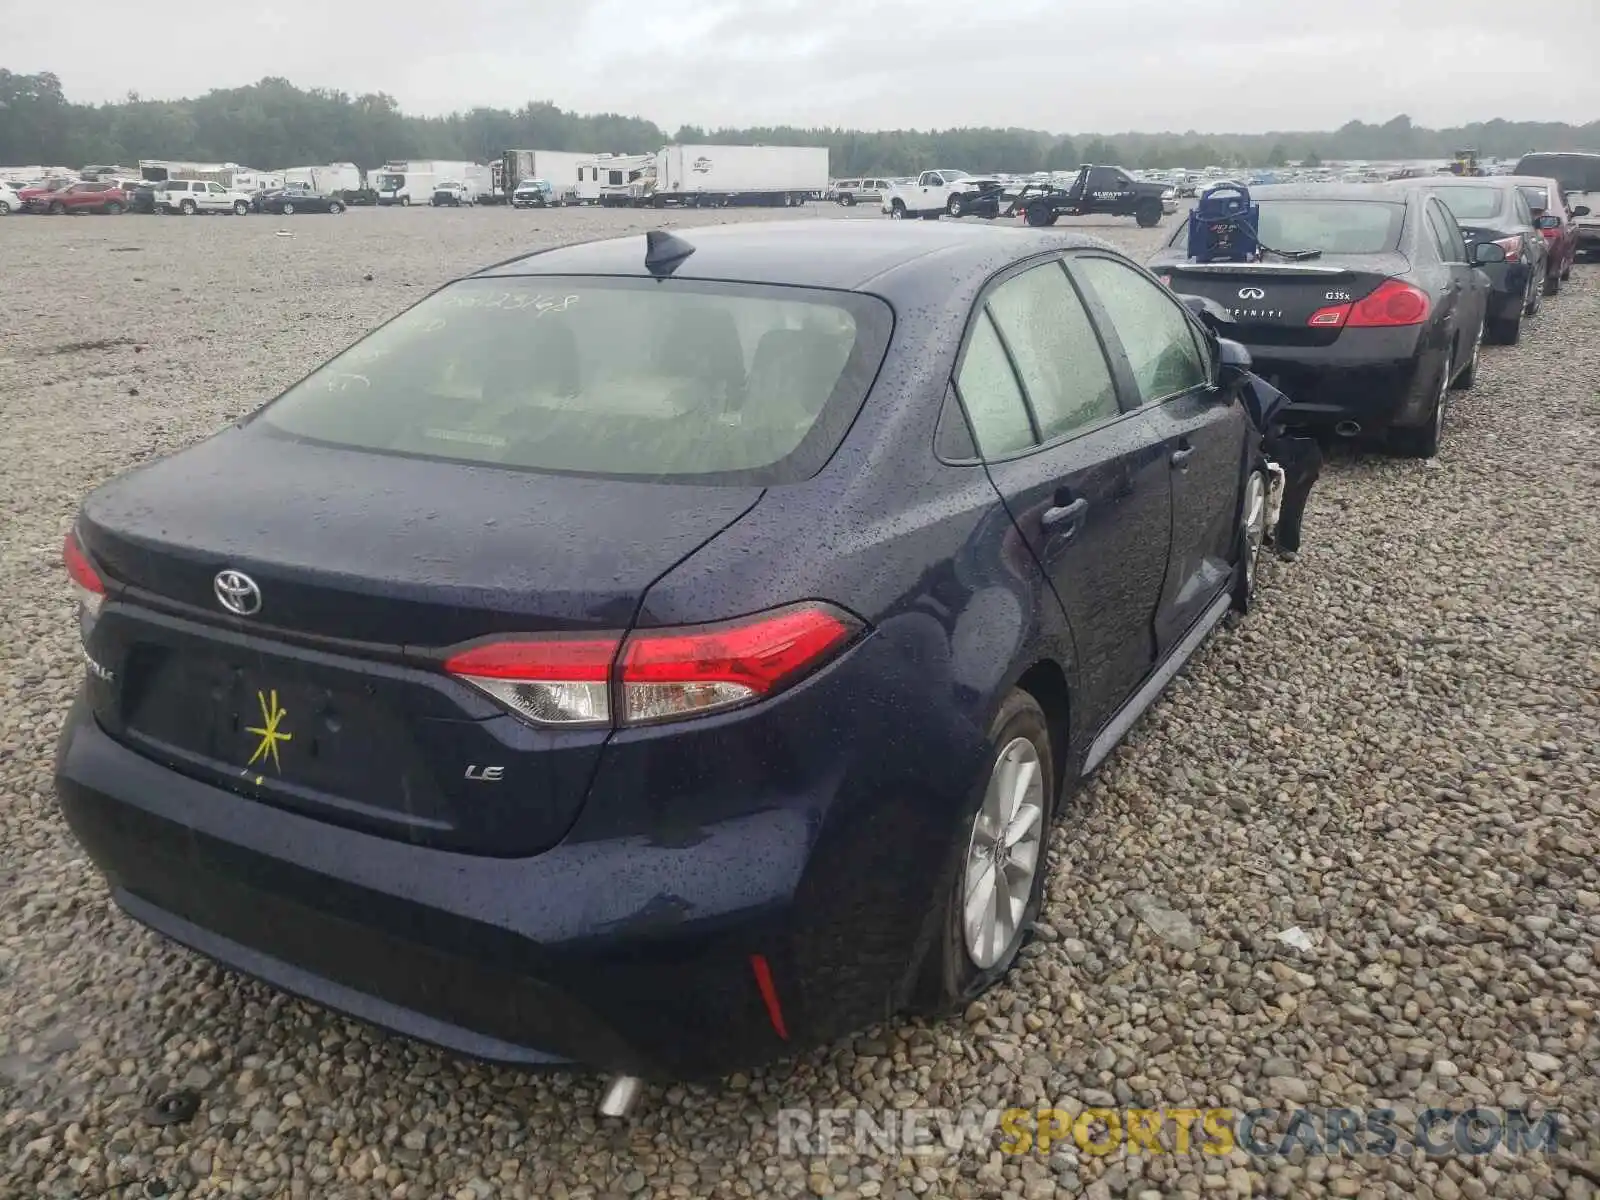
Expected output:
(1230, 354)
(1581, 211)
(1485, 253)
(1548, 221)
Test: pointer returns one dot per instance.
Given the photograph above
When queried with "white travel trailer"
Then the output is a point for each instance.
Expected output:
(619, 179)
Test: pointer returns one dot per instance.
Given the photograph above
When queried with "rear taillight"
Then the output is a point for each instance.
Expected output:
(1512, 246)
(1391, 303)
(655, 674)
(91, 588)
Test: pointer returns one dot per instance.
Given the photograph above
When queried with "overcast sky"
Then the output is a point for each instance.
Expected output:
(1063, 65)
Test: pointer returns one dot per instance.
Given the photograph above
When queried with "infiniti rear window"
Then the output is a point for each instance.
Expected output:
(1472, 203)
(1332, 226)
(608, 376)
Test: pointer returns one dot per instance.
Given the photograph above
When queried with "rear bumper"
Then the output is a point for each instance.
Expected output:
(1589, 237)
(785, 831)
(1387, 379)
(539, 961)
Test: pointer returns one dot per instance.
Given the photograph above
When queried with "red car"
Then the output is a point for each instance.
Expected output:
(44, 189)
(80, 197)
(1558, 224)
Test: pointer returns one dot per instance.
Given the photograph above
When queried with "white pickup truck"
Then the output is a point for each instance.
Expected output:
(936, 193)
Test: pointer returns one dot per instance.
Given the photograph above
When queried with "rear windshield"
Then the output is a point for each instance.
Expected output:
(1332, 226)
(1471, 203)
(634, 378)
(1575, 172)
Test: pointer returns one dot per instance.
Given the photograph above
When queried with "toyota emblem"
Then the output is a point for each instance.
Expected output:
(1252, 293)
(237, 593)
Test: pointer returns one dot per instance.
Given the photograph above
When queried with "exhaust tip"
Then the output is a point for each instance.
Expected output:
(1347, 428)
(622, 1094)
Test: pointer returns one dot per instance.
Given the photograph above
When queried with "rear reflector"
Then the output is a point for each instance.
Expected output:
(91, 588)
(659, 674)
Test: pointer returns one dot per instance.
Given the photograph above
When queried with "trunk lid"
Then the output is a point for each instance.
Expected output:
(365, 565)
(1271, 302)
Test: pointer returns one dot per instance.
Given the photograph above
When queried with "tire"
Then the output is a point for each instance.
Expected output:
(1252, 536)
(959, 966)
(1464, 381)
(1552, 282)
(5, 208)
(287, 210)
(957, 205)
(1039, 215)
(335, 207)
(188, 208)
(241, 208)
(1423, 441)
(113, 209)
(848, 200)
(1148, 214)
(405, 201)
(57, 208)
(897, 210)
(1535, 300)
(1566, 271)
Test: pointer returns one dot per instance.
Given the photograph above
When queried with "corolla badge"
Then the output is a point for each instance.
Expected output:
(1252, 293)
(237, 593)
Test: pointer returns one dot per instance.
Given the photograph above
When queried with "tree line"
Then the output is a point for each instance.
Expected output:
(273, 124)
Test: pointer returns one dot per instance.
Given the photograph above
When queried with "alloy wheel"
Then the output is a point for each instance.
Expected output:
(1003, 853)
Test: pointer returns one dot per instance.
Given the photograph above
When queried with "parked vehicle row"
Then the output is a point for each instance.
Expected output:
(1368, 303)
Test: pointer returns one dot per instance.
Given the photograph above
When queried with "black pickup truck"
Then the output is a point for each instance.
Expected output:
(1096, 190)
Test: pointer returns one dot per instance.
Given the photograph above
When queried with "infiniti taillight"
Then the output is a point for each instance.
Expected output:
(90, 587)
(1512, 246)
(1391, 303)
(656, 674)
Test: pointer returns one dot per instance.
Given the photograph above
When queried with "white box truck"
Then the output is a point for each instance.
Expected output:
(718, 175)
(408, 183)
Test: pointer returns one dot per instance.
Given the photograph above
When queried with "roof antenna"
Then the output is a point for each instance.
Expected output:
(664, 253)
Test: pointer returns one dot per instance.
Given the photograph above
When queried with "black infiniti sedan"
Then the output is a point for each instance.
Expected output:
(667, 652)
(1368, 307)
(1495, 211)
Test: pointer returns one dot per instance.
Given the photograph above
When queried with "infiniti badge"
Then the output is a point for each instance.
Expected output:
(1252, 293)
(237, 593)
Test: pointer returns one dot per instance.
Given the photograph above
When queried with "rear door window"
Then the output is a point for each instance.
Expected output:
(618, 377)
(1445, 226)
(1056, 351)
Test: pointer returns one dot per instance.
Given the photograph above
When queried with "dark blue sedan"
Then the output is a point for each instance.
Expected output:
(664, 653)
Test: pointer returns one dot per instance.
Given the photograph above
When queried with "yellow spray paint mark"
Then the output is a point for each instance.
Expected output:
(272, 716)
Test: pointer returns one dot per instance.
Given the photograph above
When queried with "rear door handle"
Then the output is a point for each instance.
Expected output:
(1180, 456)
(1064, 514)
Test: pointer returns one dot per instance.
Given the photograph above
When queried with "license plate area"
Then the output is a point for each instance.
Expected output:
(274, 726)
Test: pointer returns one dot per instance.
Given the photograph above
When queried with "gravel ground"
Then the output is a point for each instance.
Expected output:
(1396, 752)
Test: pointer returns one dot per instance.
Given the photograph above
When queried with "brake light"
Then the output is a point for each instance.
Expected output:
(1512, 246)
(1165, 279)
(91, 588)
(657, 674)
(1391, 303)
(678, 673)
